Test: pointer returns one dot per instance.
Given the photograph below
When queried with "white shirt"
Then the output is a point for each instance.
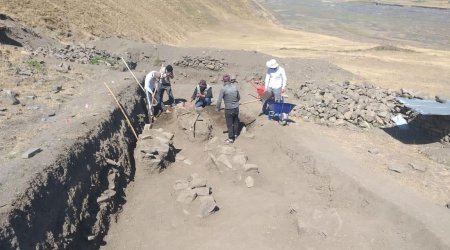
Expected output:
(275, 78)
(150, 81)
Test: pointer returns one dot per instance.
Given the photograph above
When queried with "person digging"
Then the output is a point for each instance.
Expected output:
(165, 86)
(151, 81)
(230, 95)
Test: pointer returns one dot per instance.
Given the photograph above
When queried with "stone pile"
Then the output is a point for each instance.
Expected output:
(225, 158)
(346, 103)
(196, 188)
(154, 150)
(201, 63)
(78, 53)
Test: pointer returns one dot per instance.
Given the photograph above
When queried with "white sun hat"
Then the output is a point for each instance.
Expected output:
(272, 63)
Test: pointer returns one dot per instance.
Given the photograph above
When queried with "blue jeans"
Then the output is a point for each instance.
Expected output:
(160, 96)
(203, 102)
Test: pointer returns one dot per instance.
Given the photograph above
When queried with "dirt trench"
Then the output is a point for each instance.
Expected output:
(300, 199)
(68, 205)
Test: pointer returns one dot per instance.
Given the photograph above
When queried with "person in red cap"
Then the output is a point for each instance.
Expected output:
(230, 95)
(202, 95)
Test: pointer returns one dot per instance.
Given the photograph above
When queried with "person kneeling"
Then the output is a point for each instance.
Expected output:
(202, 95)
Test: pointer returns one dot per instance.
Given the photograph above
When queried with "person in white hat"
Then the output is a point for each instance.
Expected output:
(275, 81)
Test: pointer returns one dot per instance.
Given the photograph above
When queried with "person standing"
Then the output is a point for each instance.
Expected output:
(151, 82)
(202, 95)
(275, 81)
(230, 95)
(165, 86)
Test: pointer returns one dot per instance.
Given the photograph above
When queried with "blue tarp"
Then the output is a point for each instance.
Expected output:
(426, 107)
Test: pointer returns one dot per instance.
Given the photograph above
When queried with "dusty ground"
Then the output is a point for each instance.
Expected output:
(306, 169)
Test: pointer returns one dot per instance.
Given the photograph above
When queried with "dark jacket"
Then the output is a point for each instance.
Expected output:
(230, 95)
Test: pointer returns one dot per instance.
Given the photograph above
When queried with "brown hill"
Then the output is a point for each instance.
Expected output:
(147, 20)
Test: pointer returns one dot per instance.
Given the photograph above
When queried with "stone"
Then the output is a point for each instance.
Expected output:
(56, 88)
(397, 168)
(106, 196)
(207, 206)
(419, 168)
(180, 157)
(373, 151)
(11, 97)
(91, 238)
(240, 159)
(202, 191)
(224, 160)
(196, 181)
(51, 113)
(112, 180)
(111, 162)
(249, 182)
(147, 127)
(3, 109)
(186, 196)
(187, 162)
(168, 135)
(31, 152)
(448, 205)
(228, 150)
(250, 167)
(181, 184)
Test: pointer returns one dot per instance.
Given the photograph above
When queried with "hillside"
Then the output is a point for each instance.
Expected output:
(155, 20)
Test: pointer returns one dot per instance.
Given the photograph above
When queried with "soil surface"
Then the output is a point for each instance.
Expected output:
(316, 187)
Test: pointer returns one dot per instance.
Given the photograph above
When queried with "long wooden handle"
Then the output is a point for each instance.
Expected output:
(121, 109)
(137, 81)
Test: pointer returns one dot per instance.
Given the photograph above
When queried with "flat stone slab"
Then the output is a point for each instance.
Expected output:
(207, 205)
(250, 167)
(397, 168)
(187, 196)
(249, 182)
(196, 181)
(180, 185)
(202, 191)
(31, 152)
(417, 167)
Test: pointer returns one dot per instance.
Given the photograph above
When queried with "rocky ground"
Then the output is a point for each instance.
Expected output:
(64, 143)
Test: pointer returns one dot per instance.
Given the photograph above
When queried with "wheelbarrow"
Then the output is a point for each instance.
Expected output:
(279, 111)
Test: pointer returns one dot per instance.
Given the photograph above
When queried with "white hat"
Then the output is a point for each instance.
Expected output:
(272, 63)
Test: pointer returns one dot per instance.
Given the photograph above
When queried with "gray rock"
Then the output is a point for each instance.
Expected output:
(223, 159)
(51, 113)
(56, 88)
(419, 168)
(249, 182)
(202, 191)
(106, 196)
(250, 167)
(240, 159)
(373, 151)
(31, 152)
(187, 162)
(187, 196)
(180, 185)
(196, 181)
(397, 168)
(11, 97)
(207, 206)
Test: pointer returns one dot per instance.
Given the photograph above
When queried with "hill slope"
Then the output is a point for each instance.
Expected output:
(147, 20)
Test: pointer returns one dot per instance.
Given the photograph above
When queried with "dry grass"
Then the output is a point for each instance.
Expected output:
(147, 20)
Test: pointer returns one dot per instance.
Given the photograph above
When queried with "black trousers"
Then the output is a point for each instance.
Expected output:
(232, 118)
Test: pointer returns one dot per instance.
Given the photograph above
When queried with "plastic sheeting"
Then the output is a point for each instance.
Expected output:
(426, 107)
